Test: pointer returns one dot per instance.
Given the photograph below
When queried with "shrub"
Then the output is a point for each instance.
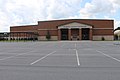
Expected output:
(103, 38)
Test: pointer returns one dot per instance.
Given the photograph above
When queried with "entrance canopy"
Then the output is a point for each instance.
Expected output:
(75, 31)
(74, 25)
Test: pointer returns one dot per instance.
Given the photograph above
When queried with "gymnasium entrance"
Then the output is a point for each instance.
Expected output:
(85, 33)
(75, 31)
(74, 34)
(64, 34)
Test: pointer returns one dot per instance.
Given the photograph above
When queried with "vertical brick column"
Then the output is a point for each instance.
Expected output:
(69, 34)
(59, 34)
(91, 34)
(80, 34)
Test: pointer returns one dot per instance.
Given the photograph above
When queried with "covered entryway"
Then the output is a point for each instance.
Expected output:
(85, 33)
(75, 31)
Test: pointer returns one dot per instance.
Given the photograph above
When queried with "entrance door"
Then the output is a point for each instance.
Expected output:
(75, 34)
(85, 33)
(64, 34)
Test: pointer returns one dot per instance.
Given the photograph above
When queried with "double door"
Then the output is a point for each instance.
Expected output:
(85, 33)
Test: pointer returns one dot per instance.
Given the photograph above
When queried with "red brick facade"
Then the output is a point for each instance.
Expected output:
(95, 28)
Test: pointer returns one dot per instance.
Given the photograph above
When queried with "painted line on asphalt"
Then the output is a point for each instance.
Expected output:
(15, 56)
(108, 56)
(78, 60)
(42, 58)
(62, 45)
(75, 45)
(12, 56)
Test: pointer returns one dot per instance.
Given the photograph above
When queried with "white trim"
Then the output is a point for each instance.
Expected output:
(72, 27)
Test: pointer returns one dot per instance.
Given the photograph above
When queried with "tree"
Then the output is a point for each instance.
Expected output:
(48, 36)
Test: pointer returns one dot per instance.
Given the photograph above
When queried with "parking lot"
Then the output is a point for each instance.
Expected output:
(60, 60)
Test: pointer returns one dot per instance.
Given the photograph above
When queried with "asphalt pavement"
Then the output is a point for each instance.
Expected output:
(60, 60)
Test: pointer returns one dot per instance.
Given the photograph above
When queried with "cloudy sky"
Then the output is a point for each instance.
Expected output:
(27, 12)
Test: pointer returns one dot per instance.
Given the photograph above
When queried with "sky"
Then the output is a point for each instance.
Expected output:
(29, 12)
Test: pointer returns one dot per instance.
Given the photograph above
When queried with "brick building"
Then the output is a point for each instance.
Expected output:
(70, 29)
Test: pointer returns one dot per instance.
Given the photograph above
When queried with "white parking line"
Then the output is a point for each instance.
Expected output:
(75, 46)
(62, 45)
(109, 56)
(78, 60)
(77, 57)
(42, 58)
(12, 56)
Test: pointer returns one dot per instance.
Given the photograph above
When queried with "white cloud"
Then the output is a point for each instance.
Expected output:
(63, 9)
(117, 23)
(20, 12)
(115, 2)
(97, 7)
(101, 9)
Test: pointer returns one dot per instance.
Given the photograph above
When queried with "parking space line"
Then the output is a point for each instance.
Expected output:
(42, 58)
(78, 62)
(75, 46)
(108, 56)
(62, 45)
(12, 56)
